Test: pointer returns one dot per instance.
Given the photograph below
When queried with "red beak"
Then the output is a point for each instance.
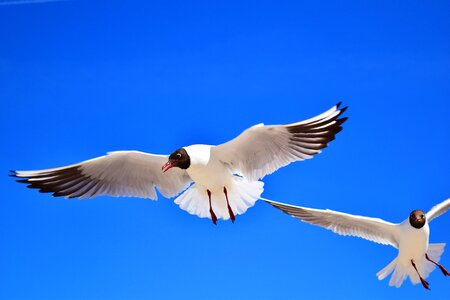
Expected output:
(167, 166)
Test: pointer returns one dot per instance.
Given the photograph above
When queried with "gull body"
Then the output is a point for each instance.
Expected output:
(413, 242)
(416, 257)
(206, 170)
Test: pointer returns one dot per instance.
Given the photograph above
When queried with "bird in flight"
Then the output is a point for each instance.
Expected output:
(416, 257)
(226, 177)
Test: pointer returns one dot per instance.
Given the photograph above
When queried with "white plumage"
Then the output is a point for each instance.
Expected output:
(411, 242)
(231, 169)
(120, 173)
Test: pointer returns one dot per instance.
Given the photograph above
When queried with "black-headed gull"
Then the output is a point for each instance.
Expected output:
(416, 257)
(225, 176)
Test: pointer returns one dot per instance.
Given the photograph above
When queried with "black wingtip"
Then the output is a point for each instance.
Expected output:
(277, 207)
(341, 120)
(342, 110)
(12, 173)
(338, 129)
(338, 104)
(269, 202)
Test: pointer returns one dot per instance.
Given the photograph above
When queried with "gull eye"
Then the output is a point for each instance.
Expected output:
(178, 155)
(422, 216)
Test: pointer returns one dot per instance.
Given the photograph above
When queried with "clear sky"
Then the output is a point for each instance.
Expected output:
(81, 78)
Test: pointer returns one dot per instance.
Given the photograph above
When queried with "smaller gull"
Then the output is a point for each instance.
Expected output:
(416, 257)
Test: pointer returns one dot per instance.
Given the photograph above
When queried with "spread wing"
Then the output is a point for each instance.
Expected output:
(438, 210)
(120, 173)
(372, 229)
(260, 150)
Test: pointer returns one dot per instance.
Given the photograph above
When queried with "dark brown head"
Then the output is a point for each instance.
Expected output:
(179, 159)
(417, 218)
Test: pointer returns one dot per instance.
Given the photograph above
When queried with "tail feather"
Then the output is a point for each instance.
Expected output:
(424, 266)
(382, 274)
(403, 271)
(435, 251)
(242, 194)
(400, 274)
(198, 207)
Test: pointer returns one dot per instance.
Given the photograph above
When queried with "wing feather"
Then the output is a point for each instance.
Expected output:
(438, 210)
(120, 173)
(260, 150)
(372, 229)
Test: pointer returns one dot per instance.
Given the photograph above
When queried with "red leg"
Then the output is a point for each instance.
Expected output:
(230, 211)
(213, 215)
(444, 270)
(424, 283)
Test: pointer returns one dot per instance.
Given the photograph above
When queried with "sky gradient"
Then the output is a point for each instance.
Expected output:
(81, 78)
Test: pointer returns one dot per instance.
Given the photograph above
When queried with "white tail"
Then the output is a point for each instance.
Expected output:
(402, 271)
(242, 194)
(387, 270)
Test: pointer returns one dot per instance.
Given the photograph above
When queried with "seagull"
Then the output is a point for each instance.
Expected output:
(217, 181)
(416, 257)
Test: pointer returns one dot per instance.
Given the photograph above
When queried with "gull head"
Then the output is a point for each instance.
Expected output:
(417, 218)
(179, 158)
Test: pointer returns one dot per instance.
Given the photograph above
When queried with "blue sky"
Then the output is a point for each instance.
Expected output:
(80, 78)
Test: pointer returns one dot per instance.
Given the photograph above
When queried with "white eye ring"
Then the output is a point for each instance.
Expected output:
(178, 155)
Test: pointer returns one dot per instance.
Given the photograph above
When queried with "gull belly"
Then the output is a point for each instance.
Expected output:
(206, 170)
(413, 243)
